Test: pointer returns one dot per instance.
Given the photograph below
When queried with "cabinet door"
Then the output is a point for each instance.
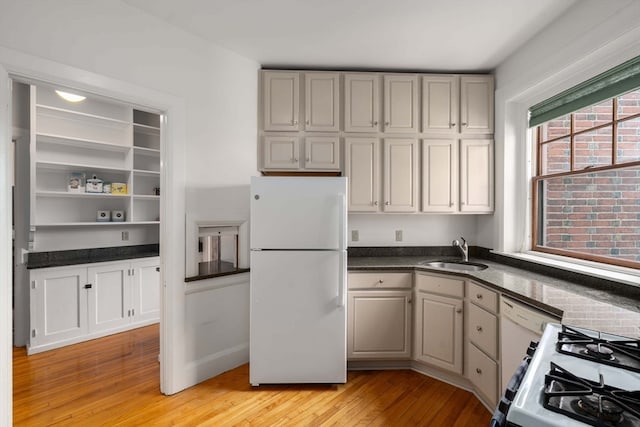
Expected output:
(361, 102)
(440, 107)
(58, 305)
(476, 175)
(322, 152)
(281, 100)
(109, 296)
(322, 101)
(281, 152)
(379, 325)
(439, 175)
(146, 290)
(438, 331)
(482, 371)
(476, 104)
(363, 169)
(401, 103)
(400, 175)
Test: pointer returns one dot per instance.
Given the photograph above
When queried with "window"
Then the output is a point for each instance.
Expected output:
(587, 184)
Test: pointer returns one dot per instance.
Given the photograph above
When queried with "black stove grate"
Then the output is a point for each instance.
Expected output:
(593, 403)
(623, 353)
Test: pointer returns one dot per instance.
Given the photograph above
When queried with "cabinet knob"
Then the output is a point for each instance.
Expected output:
(386, 123)
(294, 160)
(375, 203)
(478, 370)
(452, 125)
(459, 310)
(479, 296)
(307, 121)
(386, 203)
(375, 123)
(381, 281)
(295, 122)
(87, 286)
(479, 328)
(464, 124)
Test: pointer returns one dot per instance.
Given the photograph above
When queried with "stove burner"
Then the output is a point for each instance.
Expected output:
(623, 353)
(599, 351)
(593, 403)
(601, 408)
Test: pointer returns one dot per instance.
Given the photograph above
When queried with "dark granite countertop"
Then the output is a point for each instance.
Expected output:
(606, 308)
(89, 256)
(208, 270)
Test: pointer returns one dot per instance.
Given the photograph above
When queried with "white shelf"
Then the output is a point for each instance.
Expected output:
(146, 151)
(95, 223)
(152, 130)
(77, 167)
(146, 197)
(80, 113)
(83, 143)
(141, 172)
(81, 195)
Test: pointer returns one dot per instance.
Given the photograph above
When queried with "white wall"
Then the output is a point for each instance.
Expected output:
(591, 37)
(417, 230)
(211, 96)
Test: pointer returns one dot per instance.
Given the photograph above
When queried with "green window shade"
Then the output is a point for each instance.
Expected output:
(621, 79)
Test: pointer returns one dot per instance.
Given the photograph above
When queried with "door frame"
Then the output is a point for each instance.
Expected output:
(20, 66)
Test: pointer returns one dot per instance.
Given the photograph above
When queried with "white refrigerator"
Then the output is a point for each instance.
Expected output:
(298, 280)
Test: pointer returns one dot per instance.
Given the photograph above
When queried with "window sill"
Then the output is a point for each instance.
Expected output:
(624, 275)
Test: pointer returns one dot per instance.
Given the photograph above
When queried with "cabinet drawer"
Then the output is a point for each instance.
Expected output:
(379, 280)
(482, 371)
(440, 285)
(483, 330)
(482, 296)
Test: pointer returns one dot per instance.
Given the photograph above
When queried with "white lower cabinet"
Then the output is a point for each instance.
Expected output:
(81, 302)
(438, 329)
(482, 363)
(379, 316)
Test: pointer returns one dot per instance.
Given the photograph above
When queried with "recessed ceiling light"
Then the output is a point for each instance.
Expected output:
(71, 97)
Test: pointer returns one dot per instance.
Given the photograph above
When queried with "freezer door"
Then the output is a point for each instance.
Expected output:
(298, 320)
(298, 213)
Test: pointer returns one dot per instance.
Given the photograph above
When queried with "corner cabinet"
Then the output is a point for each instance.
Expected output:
(438, 328)
(96, 137)
(82, 302)
(379, 316)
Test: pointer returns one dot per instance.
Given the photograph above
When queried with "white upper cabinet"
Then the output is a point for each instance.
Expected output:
(400, 175)
(476, 175)
(322, 101)
(363, 169)
(281, 152)
(281, 100)
(476, 104)
(440, 175)
(440, 103)
(322, 153)
(401, 103)
(361, 102)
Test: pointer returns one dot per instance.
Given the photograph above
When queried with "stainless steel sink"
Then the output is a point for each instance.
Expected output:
(455, 265)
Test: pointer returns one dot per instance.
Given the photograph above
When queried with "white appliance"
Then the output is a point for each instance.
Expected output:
(298, 280)
(518, 327)
(620, 370)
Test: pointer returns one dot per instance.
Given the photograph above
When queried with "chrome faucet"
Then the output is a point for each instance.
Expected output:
(464, 248)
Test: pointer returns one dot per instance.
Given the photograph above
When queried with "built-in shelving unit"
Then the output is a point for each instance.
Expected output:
(99, 137)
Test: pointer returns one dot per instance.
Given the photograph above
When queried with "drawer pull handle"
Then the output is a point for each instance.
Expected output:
(459, 310)
(479, 296)
(479, 328)
(479, 371)
(381, 281)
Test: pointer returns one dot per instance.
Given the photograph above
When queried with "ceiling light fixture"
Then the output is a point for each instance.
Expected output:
(71, 97)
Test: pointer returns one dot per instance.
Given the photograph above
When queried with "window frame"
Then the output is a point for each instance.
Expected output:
(538, 177)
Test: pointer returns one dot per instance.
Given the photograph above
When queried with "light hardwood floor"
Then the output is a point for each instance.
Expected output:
(114, 381)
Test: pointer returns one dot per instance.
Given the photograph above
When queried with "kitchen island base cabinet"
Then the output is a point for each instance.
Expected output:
(438, 330)
(81, 302)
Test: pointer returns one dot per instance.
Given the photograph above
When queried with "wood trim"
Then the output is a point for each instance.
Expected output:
(587, 257)
(588, 170)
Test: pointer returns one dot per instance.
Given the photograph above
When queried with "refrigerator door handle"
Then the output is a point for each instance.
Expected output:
(342, 279)
(342, 222)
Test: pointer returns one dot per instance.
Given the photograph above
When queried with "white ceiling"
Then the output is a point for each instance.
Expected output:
(424, 35)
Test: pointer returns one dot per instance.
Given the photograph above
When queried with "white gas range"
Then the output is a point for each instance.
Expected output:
(578, 377)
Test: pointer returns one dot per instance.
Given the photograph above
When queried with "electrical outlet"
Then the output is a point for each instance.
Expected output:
(355, 235)
(125, 235)
(398, 235)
